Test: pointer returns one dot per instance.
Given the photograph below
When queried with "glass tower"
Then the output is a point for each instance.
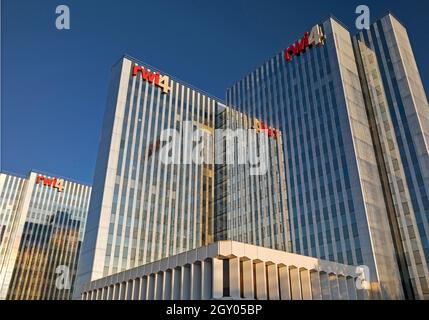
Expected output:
(149, 204)
(336, 193)
(143, 208)
(42, 222)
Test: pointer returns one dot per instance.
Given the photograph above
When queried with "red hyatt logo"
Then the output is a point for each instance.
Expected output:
(153, 77)
(53, 183)
(314, 38)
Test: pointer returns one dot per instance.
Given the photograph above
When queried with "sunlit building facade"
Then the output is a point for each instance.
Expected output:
(145, 208)
(42, 221)
(149, 204)
(356, 194)
(347, 174)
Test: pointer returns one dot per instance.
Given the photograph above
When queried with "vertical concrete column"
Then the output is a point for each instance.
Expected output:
(247, 274)
(168, 284)
(217, 278)
(351, 288)
(136, 289)
(111, 292)
(316, 289)
(143, 288)
(151, 287)
(130, 290)
(234, 278)
(305, 284)
(159, 285)
(186, 282)
(103, 293)
(117, 291)
(123, 287)
(273, 282)
(84, 296)
(284, 282)
(196, 281)
(260, 280)
(333, 284)
(342, 285)
(177, 285)
(206, 270)
(295, 283)
(324, 284)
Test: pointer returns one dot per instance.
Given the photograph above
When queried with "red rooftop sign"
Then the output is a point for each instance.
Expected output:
(153, 77)
(51, 182)
(309, 40)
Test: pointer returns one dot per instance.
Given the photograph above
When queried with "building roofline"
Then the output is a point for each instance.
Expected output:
(176, 79)
(331, 16)
(390, 13)
(59, 176)
(280, 51)
(223, 249)
(46, 174)
(10, 173)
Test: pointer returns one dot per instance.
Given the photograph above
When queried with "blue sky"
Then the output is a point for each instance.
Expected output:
(54, 83)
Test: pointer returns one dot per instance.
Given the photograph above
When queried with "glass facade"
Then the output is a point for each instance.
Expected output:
(144, 209)
(347, 179)
(335, 195)
(249, 207)
(42, 231)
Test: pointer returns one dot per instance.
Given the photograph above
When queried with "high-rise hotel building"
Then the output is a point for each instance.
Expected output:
(143, 209)
(42, 222)
(355, 124)
(148, 204)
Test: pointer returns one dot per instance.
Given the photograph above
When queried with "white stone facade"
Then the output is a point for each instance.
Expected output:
(231, 270)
